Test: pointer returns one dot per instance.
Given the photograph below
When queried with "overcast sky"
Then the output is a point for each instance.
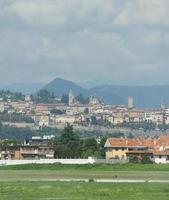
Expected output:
(117, 41)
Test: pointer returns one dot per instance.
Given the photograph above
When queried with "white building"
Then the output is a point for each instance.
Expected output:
(155, 117)
(161, 157)
(63, 119)
(2, 106)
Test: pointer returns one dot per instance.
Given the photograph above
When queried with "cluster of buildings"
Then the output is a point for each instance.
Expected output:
(95, 112)
(35, 148)
(123, 148)
(116, 149)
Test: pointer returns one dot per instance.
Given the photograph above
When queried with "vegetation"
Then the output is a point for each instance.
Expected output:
(6, 95)
(43, 96)
(57, 112)
(138, 125)
(143, 159)
(70, 145)
(82, 99)
(65, 98)
(67, 145)
(85, 191)
(15, 117)
(103, 168)
(14, 133)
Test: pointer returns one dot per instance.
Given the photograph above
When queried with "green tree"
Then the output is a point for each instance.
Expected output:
(67, 145)
(90, 148)
(101, 146)
(44, 96)
(82, 99)
(65, 98)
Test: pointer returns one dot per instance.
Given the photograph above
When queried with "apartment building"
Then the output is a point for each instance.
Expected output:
(122, 148)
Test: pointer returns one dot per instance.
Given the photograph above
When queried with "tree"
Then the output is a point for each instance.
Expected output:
(93, 120)
(86, 111)
(82, 99)
(65, 98)
(44, 96)
(57, 112)
(90, 148)
(101, 146)
(67, 145)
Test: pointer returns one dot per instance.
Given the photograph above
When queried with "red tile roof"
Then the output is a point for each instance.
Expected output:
(126, 142)
(138, 142)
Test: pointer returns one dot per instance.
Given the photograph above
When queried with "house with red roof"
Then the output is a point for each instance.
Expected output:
(122, 148)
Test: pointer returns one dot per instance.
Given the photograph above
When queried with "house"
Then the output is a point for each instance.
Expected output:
(33, 152)
(161, 157)
(122, 148)
(117, 148)
(63, 119)
(35, 148)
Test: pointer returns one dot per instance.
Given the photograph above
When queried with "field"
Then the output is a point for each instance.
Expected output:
(82, 191)
(47, 182)
(102, 171)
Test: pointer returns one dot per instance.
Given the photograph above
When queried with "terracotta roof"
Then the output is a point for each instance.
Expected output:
(164, 140)
(139, 142)
(128, 142)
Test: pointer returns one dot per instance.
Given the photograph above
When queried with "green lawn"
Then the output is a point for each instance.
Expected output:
(58, 171)
(40, 182)
(35, 175)
(82, 191)
(89, 167)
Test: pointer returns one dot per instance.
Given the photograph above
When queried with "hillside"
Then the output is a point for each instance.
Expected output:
(144, 96)
(60, 86)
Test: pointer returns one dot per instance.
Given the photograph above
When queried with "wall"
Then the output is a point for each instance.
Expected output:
(112, 153)
(162, 160)
(90, 160)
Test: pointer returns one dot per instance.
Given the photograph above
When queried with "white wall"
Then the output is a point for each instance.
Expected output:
(162, 160)
(90, 160)
(48, 161)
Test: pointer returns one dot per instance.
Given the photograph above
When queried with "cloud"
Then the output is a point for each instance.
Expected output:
(125, 41)
(143, 12)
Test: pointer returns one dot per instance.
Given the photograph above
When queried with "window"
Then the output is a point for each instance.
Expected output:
(160, 156)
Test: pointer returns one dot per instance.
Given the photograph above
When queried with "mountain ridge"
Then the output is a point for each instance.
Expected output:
(144, 96)
(150, 96)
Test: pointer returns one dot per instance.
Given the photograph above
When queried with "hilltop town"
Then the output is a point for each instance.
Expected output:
(84, 113)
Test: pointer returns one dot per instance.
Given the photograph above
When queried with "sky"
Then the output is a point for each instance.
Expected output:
(94, 41)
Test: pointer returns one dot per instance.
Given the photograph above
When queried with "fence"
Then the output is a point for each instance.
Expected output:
(90, 160)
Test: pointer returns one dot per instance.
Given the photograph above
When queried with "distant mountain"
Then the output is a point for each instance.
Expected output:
(60, 86)
(144, 96)
(25, 88)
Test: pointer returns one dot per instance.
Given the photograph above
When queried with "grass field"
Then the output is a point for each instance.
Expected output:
(102, 171)
(89, 167)
(82, 191)
(40, 182)
(28, 175)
